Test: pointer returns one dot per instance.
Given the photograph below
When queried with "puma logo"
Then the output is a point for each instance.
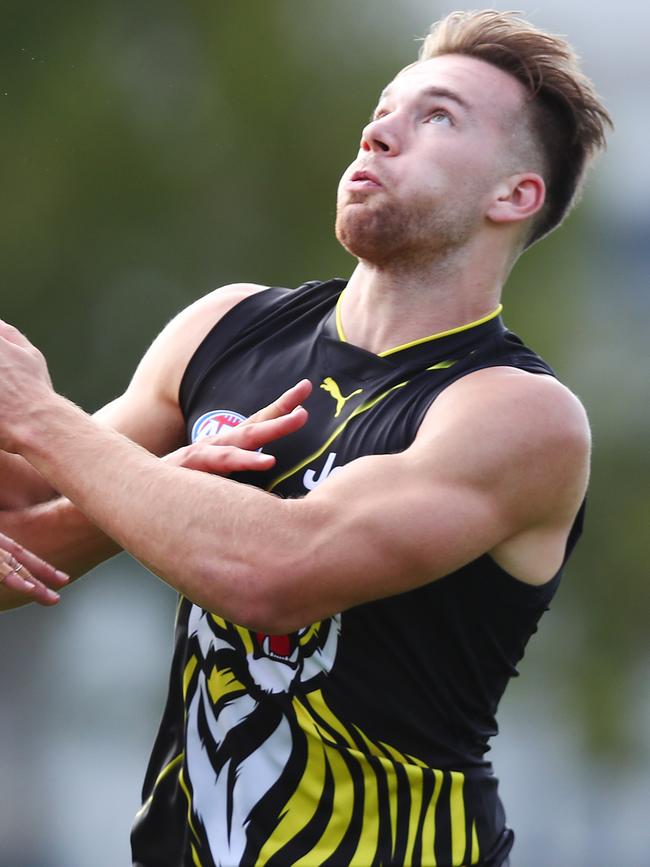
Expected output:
(332, 388)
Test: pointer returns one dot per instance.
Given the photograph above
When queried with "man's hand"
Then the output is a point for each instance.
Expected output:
(24, 379)
(25, 573)
(236, 449)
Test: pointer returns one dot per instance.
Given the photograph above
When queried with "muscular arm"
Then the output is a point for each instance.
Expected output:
(500, 466)
(147, 413)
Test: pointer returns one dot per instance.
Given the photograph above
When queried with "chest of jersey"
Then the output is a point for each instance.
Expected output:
(361, 403)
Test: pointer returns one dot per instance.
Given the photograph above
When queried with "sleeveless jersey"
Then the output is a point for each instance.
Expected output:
(360, 739)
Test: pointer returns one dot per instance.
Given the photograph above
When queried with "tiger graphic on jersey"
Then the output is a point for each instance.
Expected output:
(262, 741)
(240, 688)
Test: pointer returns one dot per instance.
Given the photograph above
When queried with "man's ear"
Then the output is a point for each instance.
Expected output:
(517, 198)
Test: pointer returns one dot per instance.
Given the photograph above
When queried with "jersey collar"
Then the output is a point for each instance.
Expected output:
(431, 345)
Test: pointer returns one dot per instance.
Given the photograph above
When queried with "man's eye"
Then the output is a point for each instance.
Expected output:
(440, 117)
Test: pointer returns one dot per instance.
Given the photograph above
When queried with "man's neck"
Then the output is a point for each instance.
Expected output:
(383, 308)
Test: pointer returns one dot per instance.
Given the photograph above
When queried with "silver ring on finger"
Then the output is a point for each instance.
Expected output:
(14, 571)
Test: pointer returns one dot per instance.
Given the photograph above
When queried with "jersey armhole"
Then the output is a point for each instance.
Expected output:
(235, 325)
(534, 594)
(222, 334)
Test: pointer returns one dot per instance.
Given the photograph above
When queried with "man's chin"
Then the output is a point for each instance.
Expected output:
(360, 235)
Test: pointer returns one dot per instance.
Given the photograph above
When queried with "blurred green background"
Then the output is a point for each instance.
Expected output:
(152, 151)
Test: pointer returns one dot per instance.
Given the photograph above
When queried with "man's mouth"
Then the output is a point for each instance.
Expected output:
(366, 178)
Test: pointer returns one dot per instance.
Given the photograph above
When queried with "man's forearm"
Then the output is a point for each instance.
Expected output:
(205, 535)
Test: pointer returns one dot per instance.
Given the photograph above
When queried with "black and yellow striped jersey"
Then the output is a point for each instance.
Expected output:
(361, 739)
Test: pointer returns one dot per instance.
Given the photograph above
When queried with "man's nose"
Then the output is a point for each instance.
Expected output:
(380, 136)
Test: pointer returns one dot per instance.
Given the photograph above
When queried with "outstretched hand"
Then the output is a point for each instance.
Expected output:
(26, 574)
(235, 449)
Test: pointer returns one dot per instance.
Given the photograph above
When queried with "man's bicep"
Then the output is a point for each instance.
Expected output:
(498, 477)
(380, 526)
(146, 418)
(398, 526)
(407, 523)
(148, 412)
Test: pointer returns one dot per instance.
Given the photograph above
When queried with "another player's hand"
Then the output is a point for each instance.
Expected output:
(26, 574)
(235, 448)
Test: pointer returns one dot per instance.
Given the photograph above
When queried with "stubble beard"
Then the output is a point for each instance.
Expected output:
(398, 237)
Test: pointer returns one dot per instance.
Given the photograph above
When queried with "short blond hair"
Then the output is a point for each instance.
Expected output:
(567, 119)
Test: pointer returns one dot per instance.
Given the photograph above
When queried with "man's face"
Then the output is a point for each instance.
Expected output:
(442, 138)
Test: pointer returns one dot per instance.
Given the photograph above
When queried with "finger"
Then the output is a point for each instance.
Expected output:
(36, 566)
(257, 434)
(25, 584)
(224, 460)
(16, 577)
(286, 403)
(254, 435)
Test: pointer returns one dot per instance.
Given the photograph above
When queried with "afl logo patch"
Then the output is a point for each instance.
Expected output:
(211, 423)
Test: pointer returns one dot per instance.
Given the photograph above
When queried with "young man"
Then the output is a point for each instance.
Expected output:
(350, 617)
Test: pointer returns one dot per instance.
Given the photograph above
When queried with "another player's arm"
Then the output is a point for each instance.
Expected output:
(500, 465)
(148, 413)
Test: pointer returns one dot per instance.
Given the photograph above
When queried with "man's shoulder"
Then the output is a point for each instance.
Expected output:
(164, 363)
(512, 406)
(512, 397)
(188, 329)
(506, 427)
(521, 441)
(208, 309)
